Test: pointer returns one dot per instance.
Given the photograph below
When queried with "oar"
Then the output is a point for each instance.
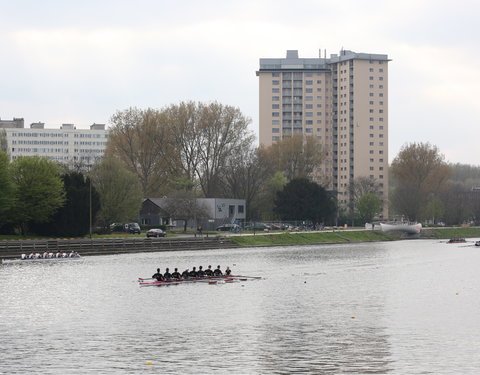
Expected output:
(246, 277)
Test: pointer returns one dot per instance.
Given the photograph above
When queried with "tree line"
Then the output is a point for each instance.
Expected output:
(191, 150)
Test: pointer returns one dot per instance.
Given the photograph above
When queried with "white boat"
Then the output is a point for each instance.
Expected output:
(33, 260)
(411, 228)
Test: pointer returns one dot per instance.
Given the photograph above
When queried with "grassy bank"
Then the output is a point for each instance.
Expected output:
(340, 236)
(312, 238)
(445, 233)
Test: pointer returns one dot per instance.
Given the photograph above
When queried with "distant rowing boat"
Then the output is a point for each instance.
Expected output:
(456, 240)
(208, 280)
(33, 260)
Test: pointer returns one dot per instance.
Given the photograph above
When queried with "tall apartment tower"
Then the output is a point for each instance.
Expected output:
(343, 101)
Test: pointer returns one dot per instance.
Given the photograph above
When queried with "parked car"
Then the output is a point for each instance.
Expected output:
(155, 232)
(228, 227)
(132, 228)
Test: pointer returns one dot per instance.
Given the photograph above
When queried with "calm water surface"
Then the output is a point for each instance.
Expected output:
(407, 307)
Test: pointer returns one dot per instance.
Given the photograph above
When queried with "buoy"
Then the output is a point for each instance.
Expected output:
(149, 363)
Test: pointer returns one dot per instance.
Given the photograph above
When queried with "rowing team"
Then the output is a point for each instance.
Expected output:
(193, 274)
(47, 255)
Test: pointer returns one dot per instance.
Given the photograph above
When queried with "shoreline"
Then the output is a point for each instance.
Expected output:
(107, 246)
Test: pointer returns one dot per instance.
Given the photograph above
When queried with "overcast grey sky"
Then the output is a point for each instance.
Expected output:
(80, 61)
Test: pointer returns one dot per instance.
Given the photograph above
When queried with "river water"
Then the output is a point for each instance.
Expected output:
(405, 307)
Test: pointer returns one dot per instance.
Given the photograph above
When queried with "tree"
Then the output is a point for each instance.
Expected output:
(38, 192)
(419, 170)
(185, 206)
(6, 187)
(3, 140)
(302, 199)
(266, 204)
(223, 133)
(139, 139)
(119, 190)
(73, 219)
(359, 187)
(369, 205)
(297, 156)
(244, 177)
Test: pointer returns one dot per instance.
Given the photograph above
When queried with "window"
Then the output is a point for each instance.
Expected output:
(275, 122)
(308, 106)
(370, 102)
(275, 114)
(371, 118)
(275, 106)
(381, 95)
(275, 98)
(309, 98)
(275, 74)
(309, 90)
(275, 138)
(275, 90)
(309, 82)
(319, 81)
(380, 70)
(380, 78)
(308, 130)
(309, 122)
(371, 94)
(275, 82)
(370, 70)
(275, 130)
(308, 74)
(309, 114)
(240, 209)
(370, 78)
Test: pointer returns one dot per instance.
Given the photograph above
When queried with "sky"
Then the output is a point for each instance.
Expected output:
(79, 62)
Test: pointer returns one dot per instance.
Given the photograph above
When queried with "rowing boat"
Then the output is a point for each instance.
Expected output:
(34, 260)
(209, 280)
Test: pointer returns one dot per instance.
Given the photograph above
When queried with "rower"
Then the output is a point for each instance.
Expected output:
(193, 273)
(185, 274)
(158, 275)
(228, 271)
(217, 271)
(176, 274)
(24, 256)
(201, 272)
(208, 271)
(167, 275)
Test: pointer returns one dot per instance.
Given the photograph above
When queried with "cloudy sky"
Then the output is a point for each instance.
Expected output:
(80, 61)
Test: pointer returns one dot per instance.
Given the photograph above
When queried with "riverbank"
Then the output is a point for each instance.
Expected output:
(345, 236)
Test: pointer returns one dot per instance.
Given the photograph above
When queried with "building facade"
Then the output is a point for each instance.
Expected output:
(67, 145)
(342, 101)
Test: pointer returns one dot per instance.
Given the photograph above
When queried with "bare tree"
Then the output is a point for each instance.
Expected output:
(298, 156)
(185, 206)
(139, 140)
(419, 171)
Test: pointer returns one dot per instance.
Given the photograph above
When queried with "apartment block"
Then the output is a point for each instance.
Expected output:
(68, 145)
(342, 101)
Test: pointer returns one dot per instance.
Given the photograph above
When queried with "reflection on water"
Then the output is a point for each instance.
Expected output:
(403, 307)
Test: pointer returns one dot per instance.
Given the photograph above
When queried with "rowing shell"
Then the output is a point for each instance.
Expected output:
(28, 260)
(210, 280)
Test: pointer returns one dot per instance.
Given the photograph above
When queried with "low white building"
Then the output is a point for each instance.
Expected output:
(67, 145)
(214, 212)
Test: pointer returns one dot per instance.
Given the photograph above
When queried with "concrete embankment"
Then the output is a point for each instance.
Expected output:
(103, 246)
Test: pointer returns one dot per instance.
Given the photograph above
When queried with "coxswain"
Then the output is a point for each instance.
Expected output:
(208, 271)
(185, 274)
(167, 275)
(176, 275)
(201, 272)
(217, 271)
(158, 275)
(193, 273)
(228, 271)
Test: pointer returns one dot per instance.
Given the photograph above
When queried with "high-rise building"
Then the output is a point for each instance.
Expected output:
(342, 101)
(68, 145)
